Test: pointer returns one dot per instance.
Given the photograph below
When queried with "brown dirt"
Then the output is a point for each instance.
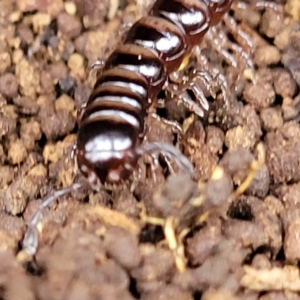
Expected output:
(173, 237)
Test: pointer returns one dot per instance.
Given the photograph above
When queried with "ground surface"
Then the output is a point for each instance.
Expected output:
(213, 240)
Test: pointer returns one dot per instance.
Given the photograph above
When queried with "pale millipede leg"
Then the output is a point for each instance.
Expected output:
(169, 150)
(97, 64)
(218, 41)
(212, 80)
(179, 94)
(218, 46)
(216, 75)
(175, 126)
(95, 67)
(261, 4)
(207, 79)
(240, 35)
(242, 38)
(168, 161)
(154, 164)
(30, 241)
(200, 97)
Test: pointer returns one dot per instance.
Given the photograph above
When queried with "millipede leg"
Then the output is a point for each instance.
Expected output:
(181, 95)
(30, 241)
(260, 4)
(173, 125)
(95, 68)
(168, 150)
(220, 43)
(240, 35)
(211, 79)
(152, 159)
(169, 163)
(217, 78)
(97, 64)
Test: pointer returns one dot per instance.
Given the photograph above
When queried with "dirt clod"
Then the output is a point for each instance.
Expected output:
(8, 85)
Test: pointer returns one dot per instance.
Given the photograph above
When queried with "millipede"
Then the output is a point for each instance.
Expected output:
(111, 124)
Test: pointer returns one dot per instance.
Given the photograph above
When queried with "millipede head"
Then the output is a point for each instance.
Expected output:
(106, 157)
(105, 168)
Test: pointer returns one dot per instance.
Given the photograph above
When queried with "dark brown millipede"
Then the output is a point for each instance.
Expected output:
(111, 124)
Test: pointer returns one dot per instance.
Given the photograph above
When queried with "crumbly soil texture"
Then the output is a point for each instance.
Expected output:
(231, 231)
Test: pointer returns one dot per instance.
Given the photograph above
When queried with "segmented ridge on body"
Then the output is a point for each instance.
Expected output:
(111, 125)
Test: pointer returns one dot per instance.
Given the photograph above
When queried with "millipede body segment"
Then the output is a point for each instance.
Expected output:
(111, 125)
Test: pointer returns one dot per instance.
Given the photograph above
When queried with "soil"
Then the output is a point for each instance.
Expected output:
(229, 232)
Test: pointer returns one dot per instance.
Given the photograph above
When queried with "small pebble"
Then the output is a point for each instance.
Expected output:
(9, 85)
(69, 25)
(17, 152)
(266, 55)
